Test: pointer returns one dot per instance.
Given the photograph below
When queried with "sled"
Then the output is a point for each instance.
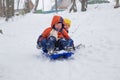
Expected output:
(59, 55)
(62, 54)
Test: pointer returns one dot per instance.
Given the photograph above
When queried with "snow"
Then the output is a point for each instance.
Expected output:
(98, 29)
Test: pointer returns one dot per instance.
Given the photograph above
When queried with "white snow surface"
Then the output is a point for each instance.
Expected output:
(98, 29)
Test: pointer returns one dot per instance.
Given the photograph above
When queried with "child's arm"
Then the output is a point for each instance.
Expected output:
(45, 33)
(65, 34)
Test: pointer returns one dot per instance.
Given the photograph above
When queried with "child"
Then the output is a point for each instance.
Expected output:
(55, 37)
(67, 23)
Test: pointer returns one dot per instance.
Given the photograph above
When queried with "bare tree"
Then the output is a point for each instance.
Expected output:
(18, 2)
(83, 5)
(3, 8)
(9, 9)
(26, 6)
(73, 7)
(12, 7)
(0, 8)
(117, 4)
(56, 5)
(36, 5)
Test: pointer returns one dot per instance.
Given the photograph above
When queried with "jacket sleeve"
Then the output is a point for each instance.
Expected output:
(45, 34)
(65, 34)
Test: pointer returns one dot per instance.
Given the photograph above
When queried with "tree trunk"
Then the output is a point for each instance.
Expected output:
(56, 6)
(117, 4)
(36, 5)
(26, 7)
(83, 5)
(73, 7)
(4, 8)
(42, 5)
(12, 8)
(0, 8)
(6, 13)
(18, 2)
(9, 9)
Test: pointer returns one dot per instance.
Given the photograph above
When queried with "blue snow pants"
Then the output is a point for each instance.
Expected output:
(52, 43)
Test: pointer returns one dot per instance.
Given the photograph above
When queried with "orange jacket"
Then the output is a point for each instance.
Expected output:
(62, 34)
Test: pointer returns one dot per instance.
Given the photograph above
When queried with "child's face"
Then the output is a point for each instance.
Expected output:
(67, 26)
(58, 26)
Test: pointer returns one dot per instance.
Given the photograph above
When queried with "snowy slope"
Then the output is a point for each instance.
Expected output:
(98, 29)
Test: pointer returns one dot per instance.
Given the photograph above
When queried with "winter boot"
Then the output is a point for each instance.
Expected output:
(70, 46)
